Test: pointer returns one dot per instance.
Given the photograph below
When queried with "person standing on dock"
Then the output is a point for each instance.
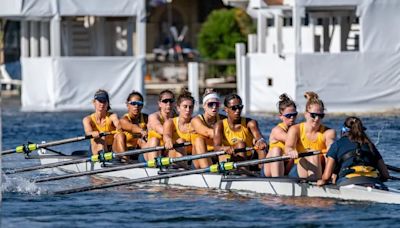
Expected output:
(236, 132)
(134, 123)
(166, 106)
(354, 158)
(310, 135)
(287, 114)
(102, 120)
(204, 124)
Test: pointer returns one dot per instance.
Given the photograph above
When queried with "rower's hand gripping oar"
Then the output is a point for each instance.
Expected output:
(27, 148)
(102, 157)
(216, 168)
(158, 162)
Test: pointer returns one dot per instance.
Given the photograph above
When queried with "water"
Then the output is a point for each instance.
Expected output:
(25, 204)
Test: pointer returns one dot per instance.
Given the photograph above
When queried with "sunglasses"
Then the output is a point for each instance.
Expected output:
(314, 115)
(168, 100)
(137, 103)
(213, 104)
(236, 107)
(290, 115)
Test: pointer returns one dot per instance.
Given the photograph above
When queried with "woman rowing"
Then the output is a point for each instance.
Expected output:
(103, 121)
(236, 132)
(287, 114)
(309, 136)
(179, 129)
(166, 105)
(354, 158)
(203, 124)
(134, 123)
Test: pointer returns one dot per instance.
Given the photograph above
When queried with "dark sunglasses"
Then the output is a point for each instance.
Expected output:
(290, 115)
(236, 107)
(314, 115)
(168, 100)
(213, 104)
(138, 103)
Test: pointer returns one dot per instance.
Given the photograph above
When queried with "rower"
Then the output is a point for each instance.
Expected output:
(102, 120)
(308, 136)
(354, 158)
(166, 106)
(134, 123)
(179, 129)
(287, 114)
(236, 132)
(204, 124)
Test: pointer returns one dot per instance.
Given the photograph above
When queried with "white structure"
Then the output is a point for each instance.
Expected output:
(345, 50)
(71, 48)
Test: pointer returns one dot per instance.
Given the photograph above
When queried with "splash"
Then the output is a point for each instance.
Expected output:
(380, 133)
(19, 184)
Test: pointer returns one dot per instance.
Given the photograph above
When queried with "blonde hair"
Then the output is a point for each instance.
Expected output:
(312, 99)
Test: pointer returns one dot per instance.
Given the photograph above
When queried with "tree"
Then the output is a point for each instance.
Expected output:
(221, 31)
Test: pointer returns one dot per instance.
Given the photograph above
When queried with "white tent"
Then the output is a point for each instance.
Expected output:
(71, 48)
(345, 50)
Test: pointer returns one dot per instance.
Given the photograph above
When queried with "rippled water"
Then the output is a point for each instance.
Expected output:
(29, 205)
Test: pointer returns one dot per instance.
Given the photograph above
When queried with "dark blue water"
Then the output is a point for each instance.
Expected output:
(30, 205)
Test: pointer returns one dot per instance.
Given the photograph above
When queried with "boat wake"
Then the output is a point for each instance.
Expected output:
(19, 185)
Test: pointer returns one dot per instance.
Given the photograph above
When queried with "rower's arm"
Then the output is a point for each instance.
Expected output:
(291, 141)
(260, 142)
(383, 171)
(330, 136)
(115, 120)
(218, 137)
(201, 129)
(330, 165)
(167, 136)
(154, 123)
(130, 127)
(88, 128)
(278, 134)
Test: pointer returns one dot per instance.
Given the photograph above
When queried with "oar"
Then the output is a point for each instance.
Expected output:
(393, 168)
(94, 158)
(32, 146)
(154, 163)
(216, 168)
(394, 178)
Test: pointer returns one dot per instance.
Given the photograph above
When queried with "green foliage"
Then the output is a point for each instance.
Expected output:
(222, 29)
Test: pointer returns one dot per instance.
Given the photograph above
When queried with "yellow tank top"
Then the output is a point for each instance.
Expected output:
(279, 144)
(131, 141)
(108, 127)
(232, 137)
(187, 136)
(154, 134)
(304, 144)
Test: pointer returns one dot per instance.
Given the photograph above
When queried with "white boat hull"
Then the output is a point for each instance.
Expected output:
(272, 186)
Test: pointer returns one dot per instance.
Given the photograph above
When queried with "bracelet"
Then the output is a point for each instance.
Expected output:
(260, 139)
